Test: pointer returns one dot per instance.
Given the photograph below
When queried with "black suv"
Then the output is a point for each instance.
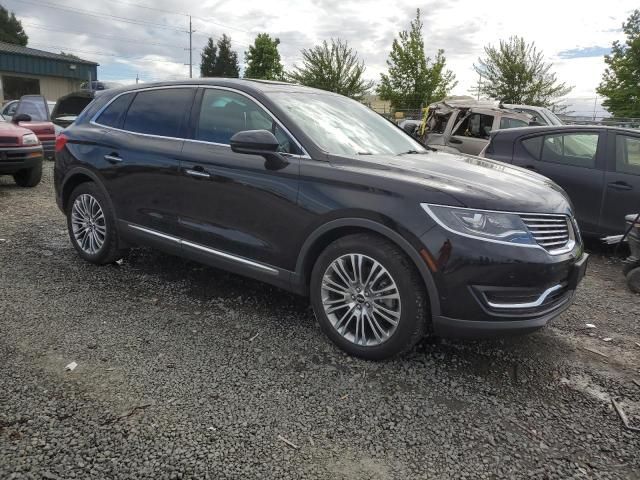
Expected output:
(317, 194)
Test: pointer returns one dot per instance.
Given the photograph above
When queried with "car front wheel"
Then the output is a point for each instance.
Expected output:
(368, 297)
(29, 177)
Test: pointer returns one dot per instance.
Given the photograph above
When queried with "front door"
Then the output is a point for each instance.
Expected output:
(622, 181)
(237, 206)
(575, 161)
(471, 133)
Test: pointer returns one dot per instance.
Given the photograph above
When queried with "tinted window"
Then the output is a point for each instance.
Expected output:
(578, 149)
(533, 146)
(506, 122)
(158, 112)
(113, 114)
(224, 113)
(628, 154)
(476, 125)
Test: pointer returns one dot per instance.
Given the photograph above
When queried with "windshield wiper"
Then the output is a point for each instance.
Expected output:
(410, 152)
(364, 153)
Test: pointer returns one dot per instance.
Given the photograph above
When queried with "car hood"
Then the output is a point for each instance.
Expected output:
(470, 181)
(8, 128)
(39, 128)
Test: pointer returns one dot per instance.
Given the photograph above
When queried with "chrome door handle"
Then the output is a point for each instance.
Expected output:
(112, 158)
(197, 173)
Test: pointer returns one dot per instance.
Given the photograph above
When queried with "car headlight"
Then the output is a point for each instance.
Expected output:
(30, 139)
(500, 227)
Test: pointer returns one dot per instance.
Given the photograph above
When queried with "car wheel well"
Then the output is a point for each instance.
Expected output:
(71, 184)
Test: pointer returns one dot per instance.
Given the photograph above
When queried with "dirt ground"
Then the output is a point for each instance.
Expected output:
(185, 371)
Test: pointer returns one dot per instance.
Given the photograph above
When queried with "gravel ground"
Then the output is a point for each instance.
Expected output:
(185, 371)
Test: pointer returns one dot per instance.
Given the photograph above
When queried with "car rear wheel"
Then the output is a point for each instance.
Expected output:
(633, 280)
(368, 297)
(29, 177)
(91, 225)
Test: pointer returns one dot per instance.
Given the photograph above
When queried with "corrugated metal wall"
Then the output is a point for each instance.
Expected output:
(45, 66)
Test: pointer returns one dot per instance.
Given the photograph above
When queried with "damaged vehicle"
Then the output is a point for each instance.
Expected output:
(464, 125)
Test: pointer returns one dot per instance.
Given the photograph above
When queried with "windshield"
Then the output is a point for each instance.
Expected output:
(342, 126)
(553, 118)
(35, 106)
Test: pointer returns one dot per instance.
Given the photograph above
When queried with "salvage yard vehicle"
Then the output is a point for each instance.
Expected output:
(317, 194)
(541, 115)
(20, 154)
(598, 167)
(69, 106)
(32, 112)
(465, 124)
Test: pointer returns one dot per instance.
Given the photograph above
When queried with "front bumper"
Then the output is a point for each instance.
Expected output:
(15, 159)
(487, 289)
(49, 148)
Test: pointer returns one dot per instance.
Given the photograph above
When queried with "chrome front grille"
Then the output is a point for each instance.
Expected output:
(552, 232)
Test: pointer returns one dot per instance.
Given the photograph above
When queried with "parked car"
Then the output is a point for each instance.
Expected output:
(99, 85)
(69, 106)
(9, 108)
(20, 154)
(32, 112)
(540, 115)
(465, 124)
(598, 167)
(316, 193)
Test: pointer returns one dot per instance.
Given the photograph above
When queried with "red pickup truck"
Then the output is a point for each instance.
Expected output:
(20, 154)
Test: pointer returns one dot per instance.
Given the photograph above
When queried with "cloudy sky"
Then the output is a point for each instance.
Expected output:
(148, 37)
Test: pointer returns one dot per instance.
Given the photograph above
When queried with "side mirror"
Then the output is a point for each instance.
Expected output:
(254, 142)
(22, 117)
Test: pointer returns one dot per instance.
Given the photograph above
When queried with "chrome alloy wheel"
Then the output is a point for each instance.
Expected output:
(88, 223)
(361, 299)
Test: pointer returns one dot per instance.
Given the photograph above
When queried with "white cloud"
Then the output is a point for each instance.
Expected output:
(461, 27)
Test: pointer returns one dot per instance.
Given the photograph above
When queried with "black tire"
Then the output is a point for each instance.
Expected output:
(29, 177)
(110, 251)
(633, 280)
(413, 315)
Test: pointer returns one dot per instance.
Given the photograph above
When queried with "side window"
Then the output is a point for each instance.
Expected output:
(506, 122)
(476, 125)
(577, 149)
(11, 109)
(224, 113)
(158, 112)
(112, 115)
(628, 154)
(533, 146)
(440, 123)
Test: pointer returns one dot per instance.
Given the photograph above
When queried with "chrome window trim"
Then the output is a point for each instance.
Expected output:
(94, 119)
(571, 244)
(536, 303)
(212, 251)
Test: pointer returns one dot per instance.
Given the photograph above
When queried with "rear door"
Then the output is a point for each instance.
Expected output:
(471, 132)
(622, 179)
(141, 168)
(573, 160)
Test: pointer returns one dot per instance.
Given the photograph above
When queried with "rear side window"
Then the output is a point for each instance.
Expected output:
(628, 154)
(577, 149)
(533, 146)
(506, 122)
(159, 112)
(112, 115)
(476, 125)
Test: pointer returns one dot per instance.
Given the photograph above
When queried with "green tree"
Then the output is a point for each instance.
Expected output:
(227, 61)
(219, 60)
(621, 80)
(413, 79)
(334, 67)
(263, 59)
(11, 30)
(208, 59)
(515, 72)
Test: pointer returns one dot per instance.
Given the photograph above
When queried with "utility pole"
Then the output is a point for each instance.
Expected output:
(190, 32)
(137, 79)
(479, 85)
(595, 104)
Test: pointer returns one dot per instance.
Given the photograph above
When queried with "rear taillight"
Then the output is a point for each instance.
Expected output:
(61, 141)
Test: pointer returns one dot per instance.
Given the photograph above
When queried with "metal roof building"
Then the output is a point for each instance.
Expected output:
(25, 70)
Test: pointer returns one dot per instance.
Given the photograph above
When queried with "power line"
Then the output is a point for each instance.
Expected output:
(103, 15)
(93, 35)
(74, 50)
